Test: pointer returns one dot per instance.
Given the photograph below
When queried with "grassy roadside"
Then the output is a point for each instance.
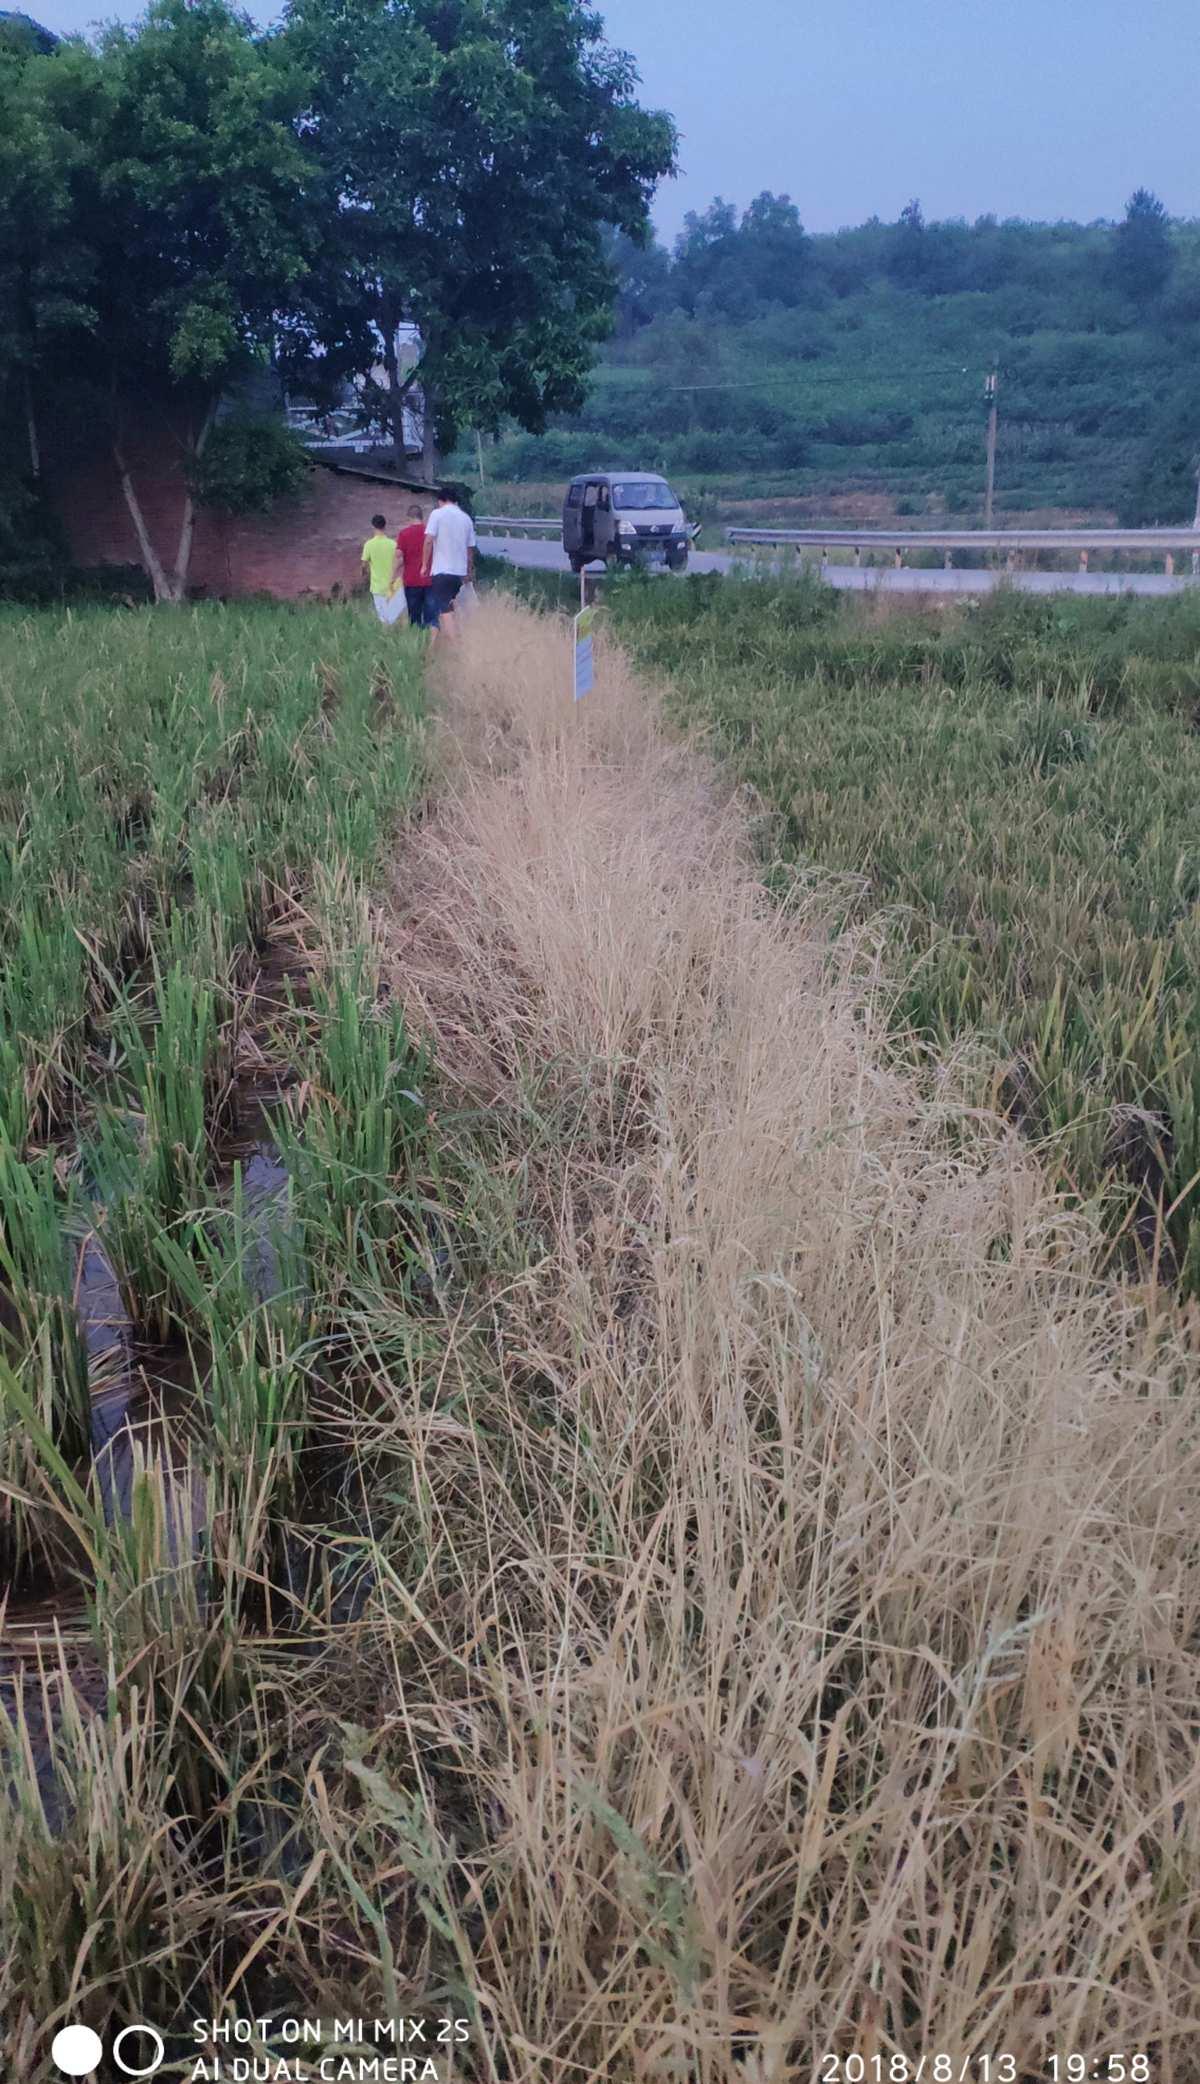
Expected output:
(1015, 781)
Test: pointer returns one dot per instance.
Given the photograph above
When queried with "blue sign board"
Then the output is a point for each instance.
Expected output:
(584, 660)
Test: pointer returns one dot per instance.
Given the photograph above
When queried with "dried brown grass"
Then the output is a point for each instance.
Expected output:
(817, 1528)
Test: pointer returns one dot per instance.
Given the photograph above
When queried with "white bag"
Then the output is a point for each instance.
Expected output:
(468, 599)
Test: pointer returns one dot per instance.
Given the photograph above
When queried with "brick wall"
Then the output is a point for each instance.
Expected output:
(309, 545)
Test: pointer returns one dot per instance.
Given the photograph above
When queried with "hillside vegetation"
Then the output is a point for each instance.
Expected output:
(846, 372)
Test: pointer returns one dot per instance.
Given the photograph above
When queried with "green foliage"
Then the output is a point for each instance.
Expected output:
(1142, 257)
(469, 159)
(721, 264)
(33, 550)
(248, 464)
(1163, 486)
(22, 36)
(155, 218)
(193, 198)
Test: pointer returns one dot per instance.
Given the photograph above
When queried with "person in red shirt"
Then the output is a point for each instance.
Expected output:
(410, 547)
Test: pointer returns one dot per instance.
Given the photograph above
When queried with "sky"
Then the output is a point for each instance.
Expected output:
(1028, 108)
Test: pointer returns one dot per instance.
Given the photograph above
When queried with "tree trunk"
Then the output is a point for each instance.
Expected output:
(397, 392)
(35, 459)
(150, 557)
(187, 527)
(429, 452)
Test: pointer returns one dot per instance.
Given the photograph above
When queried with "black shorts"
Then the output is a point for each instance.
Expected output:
(417, 598)
(444, 589)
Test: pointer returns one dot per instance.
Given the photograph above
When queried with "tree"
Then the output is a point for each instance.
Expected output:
(249, 463)
(736, 268)
(907, 259)
(1142, 255)
(20, 33)
(776, 250)
(469, 155)
(1163, 488)
(44, 281)
(187, 219)
(642, 270)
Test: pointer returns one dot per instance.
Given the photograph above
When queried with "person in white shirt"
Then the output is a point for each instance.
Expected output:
(449, 560)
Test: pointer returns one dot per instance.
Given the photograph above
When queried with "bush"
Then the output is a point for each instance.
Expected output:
(248, 465)
(702, 452)
(34, 558)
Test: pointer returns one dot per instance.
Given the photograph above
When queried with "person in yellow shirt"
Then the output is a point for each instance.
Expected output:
(379, 564)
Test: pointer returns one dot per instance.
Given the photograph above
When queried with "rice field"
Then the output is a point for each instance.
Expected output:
(550, 1481)
(1011, 787)
(208, 1129)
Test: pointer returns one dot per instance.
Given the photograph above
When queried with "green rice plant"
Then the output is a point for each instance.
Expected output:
(177, 1252)
(351, 1143)
(37, 1264)
(14, 1097)
(113, 1163)
(179, 1069)
(150, 1569)
(43, 991)
(258, 1411)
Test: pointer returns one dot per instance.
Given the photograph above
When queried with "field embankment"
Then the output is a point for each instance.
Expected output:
(699, 1563)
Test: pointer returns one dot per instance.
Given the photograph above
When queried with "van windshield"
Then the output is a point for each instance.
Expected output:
(643, 494)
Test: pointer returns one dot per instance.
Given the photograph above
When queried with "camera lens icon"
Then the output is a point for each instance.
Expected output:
(137, 2051)
(77, 2051)
(126, 2058)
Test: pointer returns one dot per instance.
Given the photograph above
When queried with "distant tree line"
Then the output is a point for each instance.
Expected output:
(739, 266)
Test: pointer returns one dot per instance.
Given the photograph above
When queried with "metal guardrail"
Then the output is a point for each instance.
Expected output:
(1087, 542)
(498, 524)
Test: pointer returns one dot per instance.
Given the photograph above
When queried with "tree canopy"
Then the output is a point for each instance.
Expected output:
(185, 198)
(470, 155)
(1142, 255)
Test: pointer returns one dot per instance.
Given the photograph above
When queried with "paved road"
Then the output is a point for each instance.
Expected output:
(549, 557)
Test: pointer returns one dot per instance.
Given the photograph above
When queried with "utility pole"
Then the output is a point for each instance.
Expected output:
(990, 390)
(479, 456)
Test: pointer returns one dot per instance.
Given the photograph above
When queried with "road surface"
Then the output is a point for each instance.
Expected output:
(550, 557)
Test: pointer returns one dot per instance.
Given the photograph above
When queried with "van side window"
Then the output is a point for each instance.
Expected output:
(575, 496)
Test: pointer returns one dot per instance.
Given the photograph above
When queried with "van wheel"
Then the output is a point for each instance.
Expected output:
(577, 562)
(678, 564)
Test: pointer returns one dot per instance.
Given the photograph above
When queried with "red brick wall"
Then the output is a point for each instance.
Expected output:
(308, 545)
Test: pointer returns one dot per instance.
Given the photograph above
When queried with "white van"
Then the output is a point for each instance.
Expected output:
(624, 517)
